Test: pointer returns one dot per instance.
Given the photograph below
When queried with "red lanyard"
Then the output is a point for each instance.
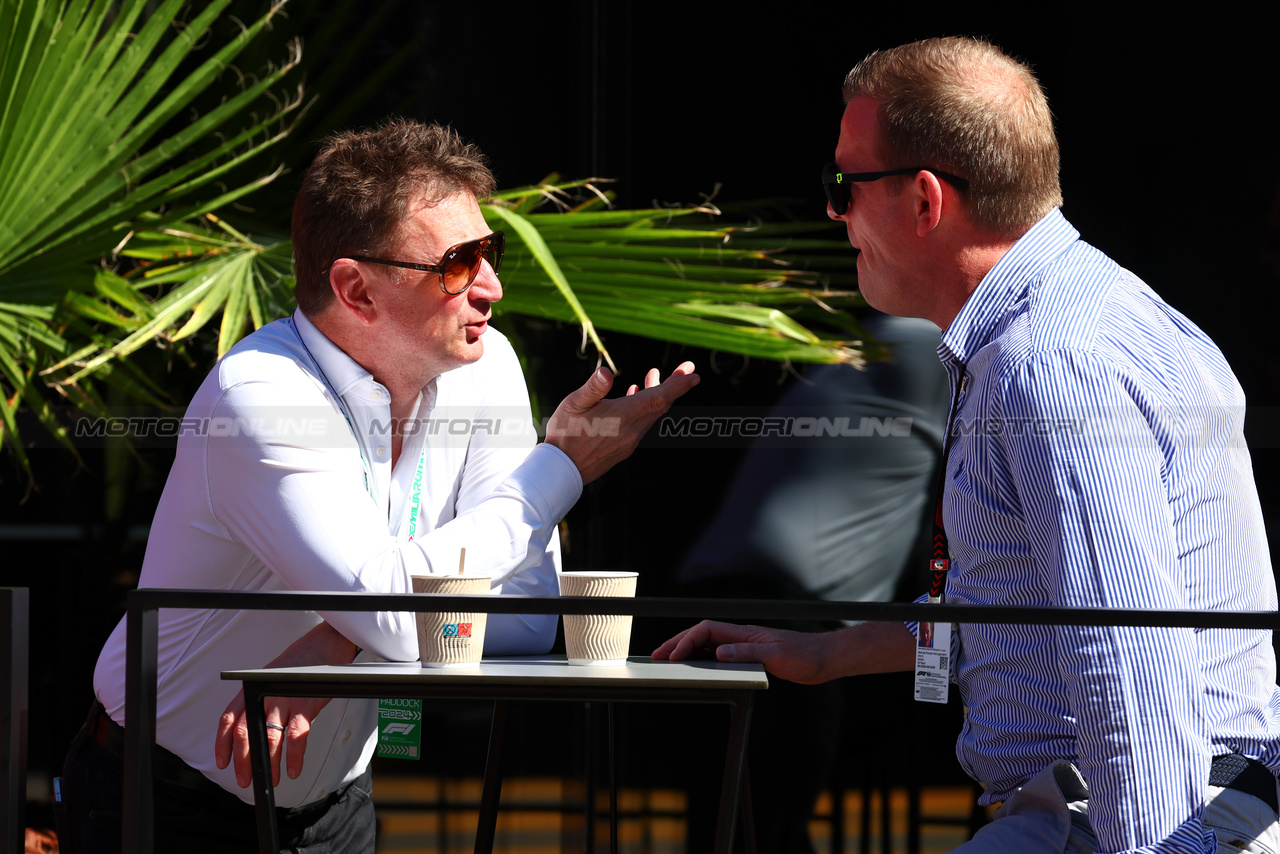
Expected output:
(941, 562)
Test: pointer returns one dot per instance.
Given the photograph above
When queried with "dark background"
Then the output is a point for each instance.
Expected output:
(1169, 154)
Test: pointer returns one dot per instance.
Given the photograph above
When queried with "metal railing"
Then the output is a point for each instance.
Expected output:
(143, 640)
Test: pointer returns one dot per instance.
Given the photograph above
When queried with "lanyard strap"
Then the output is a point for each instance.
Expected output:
(341, 406)
(940, 562)
(415, 498)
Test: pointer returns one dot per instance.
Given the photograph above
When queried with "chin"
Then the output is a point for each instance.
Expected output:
(471, 352)
(871, 294)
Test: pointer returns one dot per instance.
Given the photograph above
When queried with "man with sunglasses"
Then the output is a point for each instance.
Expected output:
(372, 436)
(1095, 458)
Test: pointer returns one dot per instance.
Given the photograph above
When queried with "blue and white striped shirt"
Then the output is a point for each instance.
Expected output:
(1099, 461)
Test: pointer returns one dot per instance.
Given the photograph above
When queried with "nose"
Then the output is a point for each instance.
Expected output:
(831, 212)
(487, 286)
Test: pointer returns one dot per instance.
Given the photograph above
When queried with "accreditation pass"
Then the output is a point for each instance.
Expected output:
(933, 662)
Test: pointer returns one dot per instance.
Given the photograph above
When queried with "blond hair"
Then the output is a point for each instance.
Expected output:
(963, 106)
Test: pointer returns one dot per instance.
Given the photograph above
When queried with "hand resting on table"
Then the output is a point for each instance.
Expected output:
(804, 657)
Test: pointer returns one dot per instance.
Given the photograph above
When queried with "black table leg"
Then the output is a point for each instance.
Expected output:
(264, 795)
(486, 829)
(734, 763)
(613, 789)
(886, 819)
(589, 813)
(14, 706)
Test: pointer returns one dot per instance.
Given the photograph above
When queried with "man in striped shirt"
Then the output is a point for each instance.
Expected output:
(1097, 460)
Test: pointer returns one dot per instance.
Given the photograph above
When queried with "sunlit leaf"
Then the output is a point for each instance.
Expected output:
(90, 157)
(538, 249)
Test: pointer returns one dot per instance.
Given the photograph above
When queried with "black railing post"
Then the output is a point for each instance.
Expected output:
(141, 650)
(14, 639)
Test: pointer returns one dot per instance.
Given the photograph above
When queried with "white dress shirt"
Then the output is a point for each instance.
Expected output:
(283, 480)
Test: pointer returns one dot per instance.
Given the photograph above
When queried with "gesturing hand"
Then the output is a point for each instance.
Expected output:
(597, 434)
(322, 645)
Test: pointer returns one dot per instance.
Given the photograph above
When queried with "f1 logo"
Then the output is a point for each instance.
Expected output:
(391, 729)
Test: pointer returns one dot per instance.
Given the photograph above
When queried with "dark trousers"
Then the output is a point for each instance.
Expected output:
(192, 813)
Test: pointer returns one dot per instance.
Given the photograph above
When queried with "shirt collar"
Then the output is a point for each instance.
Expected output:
(345, 375)
(1006, 284)
(343, 372)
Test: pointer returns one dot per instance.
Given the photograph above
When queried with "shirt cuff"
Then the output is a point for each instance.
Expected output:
(549, 477)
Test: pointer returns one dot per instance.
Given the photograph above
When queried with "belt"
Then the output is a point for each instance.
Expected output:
(1233, 771)
(172, 771)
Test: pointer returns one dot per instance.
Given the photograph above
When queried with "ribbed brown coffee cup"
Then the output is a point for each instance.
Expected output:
(597, 639)
(451, 638)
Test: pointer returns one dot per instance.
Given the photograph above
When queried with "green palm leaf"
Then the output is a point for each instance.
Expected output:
(205, 274)
(95, 165)
(667, 274)
(94, 137)
(683, 285)
(537, 248)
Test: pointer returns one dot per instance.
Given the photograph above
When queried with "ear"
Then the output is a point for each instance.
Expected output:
(928, 198)
(352, 291)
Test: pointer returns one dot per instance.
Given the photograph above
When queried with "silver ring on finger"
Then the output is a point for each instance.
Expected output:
(275, 726)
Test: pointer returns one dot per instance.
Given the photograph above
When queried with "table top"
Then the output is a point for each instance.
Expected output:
(535, 670)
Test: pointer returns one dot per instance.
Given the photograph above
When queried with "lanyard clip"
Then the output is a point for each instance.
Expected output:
(938, 566)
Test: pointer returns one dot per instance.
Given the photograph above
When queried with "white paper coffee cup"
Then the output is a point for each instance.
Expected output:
(451, 638)
(598, 639)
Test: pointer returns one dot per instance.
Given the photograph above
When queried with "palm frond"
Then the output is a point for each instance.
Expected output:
(678, 275)
(196, 273)
(98, 151)
(685, 285)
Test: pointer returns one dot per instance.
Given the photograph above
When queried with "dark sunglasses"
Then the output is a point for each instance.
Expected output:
(459, 265)
(836, 183)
